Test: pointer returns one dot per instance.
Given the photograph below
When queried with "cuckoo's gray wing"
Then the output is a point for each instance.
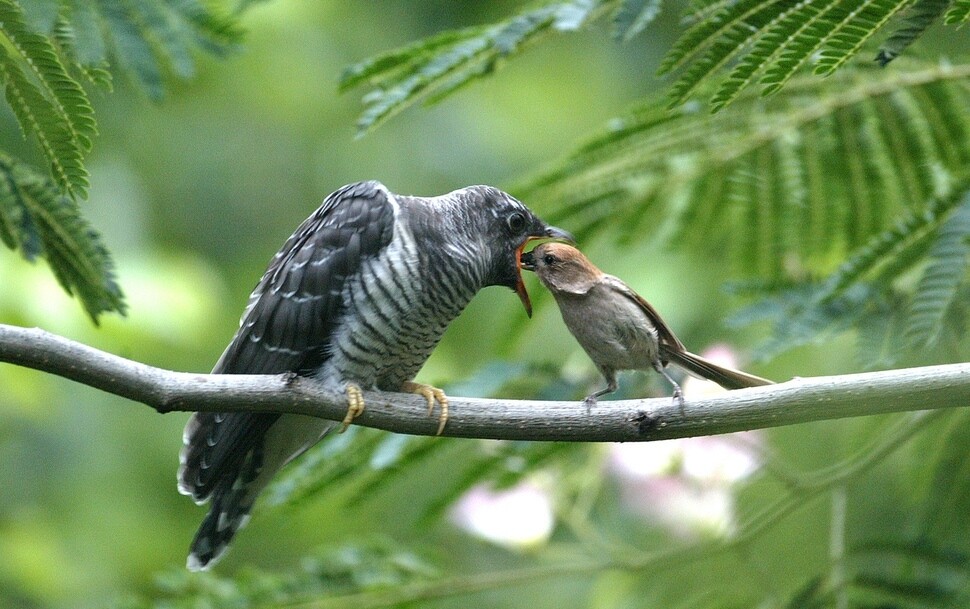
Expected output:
(286, 328)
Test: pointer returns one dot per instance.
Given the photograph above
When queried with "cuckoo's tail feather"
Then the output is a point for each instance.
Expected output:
(228, 514)
(703, 368)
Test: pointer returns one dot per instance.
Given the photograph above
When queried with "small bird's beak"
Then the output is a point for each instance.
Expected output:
(525, 260)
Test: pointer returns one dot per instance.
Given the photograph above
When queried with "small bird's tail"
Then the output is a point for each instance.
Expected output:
(703, 368)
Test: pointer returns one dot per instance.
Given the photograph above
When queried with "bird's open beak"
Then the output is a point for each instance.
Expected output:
(525, 260)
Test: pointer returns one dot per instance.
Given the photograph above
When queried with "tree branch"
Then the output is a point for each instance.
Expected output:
(797, 401)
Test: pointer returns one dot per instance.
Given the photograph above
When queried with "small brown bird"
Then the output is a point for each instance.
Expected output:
(618, 328)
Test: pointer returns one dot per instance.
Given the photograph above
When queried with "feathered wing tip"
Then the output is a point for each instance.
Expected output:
(725, 377)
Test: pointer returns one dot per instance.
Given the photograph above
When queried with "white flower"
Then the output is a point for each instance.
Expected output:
(520, 517)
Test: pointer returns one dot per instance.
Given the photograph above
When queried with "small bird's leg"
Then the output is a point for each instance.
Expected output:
(678, 394)
(355, 405)
(611, 386)
(432, 394)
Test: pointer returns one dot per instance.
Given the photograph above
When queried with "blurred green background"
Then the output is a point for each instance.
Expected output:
(195, 194)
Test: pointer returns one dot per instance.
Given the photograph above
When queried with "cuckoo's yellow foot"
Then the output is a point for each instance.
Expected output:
(432, 394)
(355, 406)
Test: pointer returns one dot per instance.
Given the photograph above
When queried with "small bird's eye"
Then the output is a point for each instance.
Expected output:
(516, 222)
(549, 259)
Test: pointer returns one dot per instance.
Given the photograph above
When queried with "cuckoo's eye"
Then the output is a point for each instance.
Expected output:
(516, 221)
(549, 259)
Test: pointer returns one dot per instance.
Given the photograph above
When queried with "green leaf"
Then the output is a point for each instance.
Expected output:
(918, 17)
(39, 117)
(942, 278)
(150, 37)
(82, 25)
(859, 293)
(433, 68)
(958, 14)
(769, 41)
(633, 16)
(856, 26)
(902, 573)
(730, 33)
(36, 217)
(946, 507)
(131, 48)
(56, 110)
(802, 177)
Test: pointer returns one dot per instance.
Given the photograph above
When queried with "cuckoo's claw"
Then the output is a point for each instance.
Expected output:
(355, 406)
(432, 394)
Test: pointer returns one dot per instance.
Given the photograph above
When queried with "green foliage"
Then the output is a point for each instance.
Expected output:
(959, 13)
(887, 554)
(943, 278)
(918, 17)
(870, 291)
(437, 66)
(769, 42)
(632, 16)
(55, 110)
(45, 49)
(764, 41)
(358, 464)
(376, 566)
(787, 184)
(37, 218)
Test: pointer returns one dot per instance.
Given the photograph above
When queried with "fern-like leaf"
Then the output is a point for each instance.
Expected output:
(958, 14)
(856, 27)
(807, 175)
(39, 117)
(147, 38)
(781, 47)
(36, 217)
(860, 292)
(947, 494)
(946, 271)
(55, 110)
(80, 28)
(917, 18)
(432, 68)
(632, 16)
(727, 34)
(769, 41)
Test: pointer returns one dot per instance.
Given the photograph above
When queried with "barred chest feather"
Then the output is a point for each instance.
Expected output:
(398, 307)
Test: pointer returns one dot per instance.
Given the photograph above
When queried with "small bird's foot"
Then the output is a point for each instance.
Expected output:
(679, 399)
(589, 402)
(355, 406)
(432, 394)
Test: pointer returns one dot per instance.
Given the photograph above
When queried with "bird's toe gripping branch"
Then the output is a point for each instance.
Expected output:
(432, 394)
(355, 406)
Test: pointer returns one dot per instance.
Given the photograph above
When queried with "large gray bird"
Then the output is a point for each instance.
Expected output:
(617, 327)
(357, 298)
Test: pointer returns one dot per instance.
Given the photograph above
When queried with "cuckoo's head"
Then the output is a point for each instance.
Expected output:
(504, 226)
